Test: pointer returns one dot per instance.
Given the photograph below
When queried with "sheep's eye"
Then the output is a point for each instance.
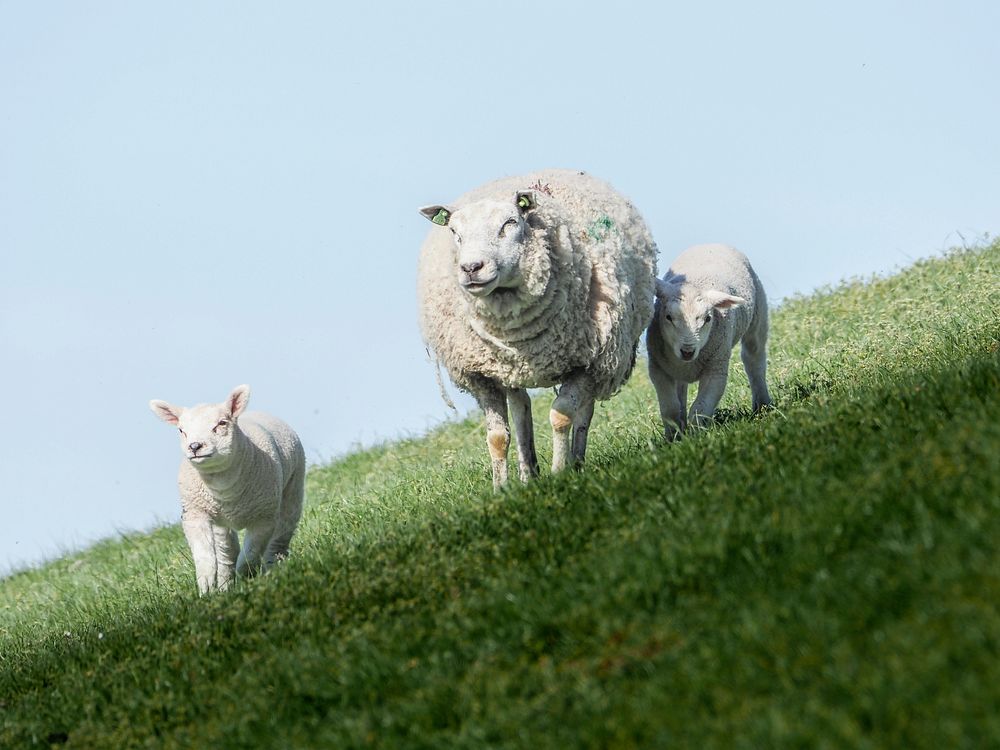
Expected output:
(457, 236)
(182, 432)
(708, 318)
(222, 423)
(669, 317)
(506, 224)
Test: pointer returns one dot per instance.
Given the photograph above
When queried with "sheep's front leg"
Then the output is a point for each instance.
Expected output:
(520, 411)
(493, 401)
(200, 535)
(711, 386)
(227, 550)
(570, 417)
(672, 396)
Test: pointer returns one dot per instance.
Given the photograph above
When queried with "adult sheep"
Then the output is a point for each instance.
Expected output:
(541, 280)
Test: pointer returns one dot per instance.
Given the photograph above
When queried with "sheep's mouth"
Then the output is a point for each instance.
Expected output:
(200, 457)
(479, 287)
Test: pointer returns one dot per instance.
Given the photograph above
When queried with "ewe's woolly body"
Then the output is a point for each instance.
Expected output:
(587, 288)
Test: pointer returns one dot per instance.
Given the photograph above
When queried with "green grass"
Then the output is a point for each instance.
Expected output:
(827, 575)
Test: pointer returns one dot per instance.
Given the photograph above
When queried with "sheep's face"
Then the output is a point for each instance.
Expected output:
(207, 431)
(489, 239)
(686, 315)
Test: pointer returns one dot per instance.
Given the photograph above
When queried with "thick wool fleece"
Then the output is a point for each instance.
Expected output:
(587, 284)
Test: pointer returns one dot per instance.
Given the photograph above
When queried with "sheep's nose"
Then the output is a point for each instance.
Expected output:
(687, 353)
(471, 268)
(195, 447)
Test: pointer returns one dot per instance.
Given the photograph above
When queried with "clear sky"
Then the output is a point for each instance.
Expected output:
(197, 195)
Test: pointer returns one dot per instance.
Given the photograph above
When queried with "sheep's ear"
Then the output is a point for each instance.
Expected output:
(238, 400)
(723, 301)
(525, 201)
(166, 412)
(665, 288)
(439, 215)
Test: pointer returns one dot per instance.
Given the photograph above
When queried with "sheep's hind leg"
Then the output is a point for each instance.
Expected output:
(255, 542)
(570, 417)
(520, 411)
(753, 352)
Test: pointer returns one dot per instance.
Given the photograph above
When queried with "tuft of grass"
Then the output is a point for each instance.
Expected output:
(824, 575)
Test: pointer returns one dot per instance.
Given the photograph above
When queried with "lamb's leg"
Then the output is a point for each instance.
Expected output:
(672, 395)
(753, 352)
(201, 539)
(520, 411)
(682, 401)
(227, 550)
(570, 416)
(288, 519)
(493, 401)
(711, 386)
(255, 542)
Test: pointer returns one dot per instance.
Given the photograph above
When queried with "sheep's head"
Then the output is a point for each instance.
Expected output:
(489, 237)
(207, 431)
(685, 315)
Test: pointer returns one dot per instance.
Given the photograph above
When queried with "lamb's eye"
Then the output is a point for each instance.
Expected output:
(457, 236)
(182, 432)
(220, 426)
(669, 317)
(708, 318)
(506, 226)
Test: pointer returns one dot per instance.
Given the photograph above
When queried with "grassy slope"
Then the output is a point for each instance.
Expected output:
(828, 575)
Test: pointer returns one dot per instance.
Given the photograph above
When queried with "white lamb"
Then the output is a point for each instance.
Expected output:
(709, 300)
(239, 472)
(534, 281)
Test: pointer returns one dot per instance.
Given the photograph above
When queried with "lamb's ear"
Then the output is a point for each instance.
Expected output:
(665, 288)
(525, 201)
(439, 215)
(167, 412)
(238, 400)
(723, 301)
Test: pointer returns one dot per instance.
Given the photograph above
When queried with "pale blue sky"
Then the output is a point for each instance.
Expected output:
(196, 195)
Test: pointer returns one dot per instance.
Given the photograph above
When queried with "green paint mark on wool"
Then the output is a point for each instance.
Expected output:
(600, 228)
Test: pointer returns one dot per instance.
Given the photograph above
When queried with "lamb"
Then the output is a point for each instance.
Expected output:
(708, 300)
(240, 471)
(534, 281)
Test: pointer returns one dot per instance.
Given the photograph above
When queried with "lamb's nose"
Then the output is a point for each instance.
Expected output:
(195, 447)
(687, 353)
(471, 268)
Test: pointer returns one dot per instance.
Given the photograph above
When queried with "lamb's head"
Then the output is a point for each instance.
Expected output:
(685, 314)
(490, 238)
(208, 432)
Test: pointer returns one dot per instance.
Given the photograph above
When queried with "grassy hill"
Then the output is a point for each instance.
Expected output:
(827, 575)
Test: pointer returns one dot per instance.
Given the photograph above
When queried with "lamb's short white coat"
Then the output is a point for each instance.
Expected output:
(239, 471)
(709, 300)
(533, 281)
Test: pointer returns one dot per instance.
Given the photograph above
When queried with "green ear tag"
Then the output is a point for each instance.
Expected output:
(524, 202)
(441, 217)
